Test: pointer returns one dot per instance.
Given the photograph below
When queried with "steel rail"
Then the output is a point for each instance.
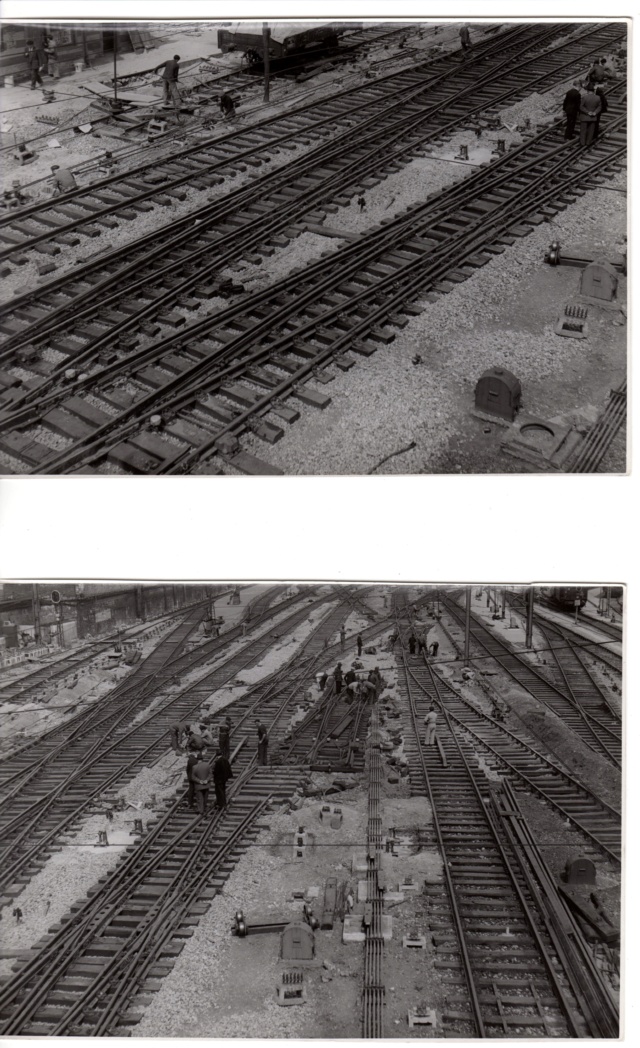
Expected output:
(545, 691)
(481, 1021)
(242, 197)
(122, 771)
(467, 244)
(248, 193)
(207, 168)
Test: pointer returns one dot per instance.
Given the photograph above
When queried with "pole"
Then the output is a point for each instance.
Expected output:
(529, 638)
(37, 629)
(467, 626)
(504, 603)
(115, 68)
(266, 37)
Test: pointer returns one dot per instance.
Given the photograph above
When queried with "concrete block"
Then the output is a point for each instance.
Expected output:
(363, 891)
(417, 942)
(387, 928)
(352, 930)
(428, 1018)
(359, 864)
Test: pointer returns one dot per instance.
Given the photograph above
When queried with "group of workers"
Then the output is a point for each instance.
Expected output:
(585, 103)
(356, 684)
(196, 740)
(171, 92)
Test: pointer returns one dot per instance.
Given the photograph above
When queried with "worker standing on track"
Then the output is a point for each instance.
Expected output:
(571, 108)
(604, 105)
(430, 727)
(412, 644)
(338, 678)
(201, 778)
(194, 757)
(224, 738)
(322, 683)
(221, 775)
(33, 64)
(170, 75)
(263, 743)
(359, 643)
(343, 637)
(590, 109)
(465, 40)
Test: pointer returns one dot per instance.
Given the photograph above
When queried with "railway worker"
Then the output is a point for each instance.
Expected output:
(596, 74)
(354, 690)
(224, 738)
(604, 105)
(194, 756)
(322, 683)
(433, 649)
(201, 780)
(350, 676)
(465, 40)
(571, 108)
(359, 643)
(362, 203)
(227, 105)
(369, 690)
(33, 64)
(195, 740)
(206, 735)
(62, 180)
(176, 732)
(590, 108)
(221, 775)
(430, 727)
(338, 678)
(263, 743)
(412, 643)
(343, 637)
(170, 76)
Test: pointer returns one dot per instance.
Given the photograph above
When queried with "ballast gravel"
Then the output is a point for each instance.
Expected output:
(386, 402)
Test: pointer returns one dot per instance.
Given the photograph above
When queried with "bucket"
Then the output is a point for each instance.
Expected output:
(9, 81)
(79, 65)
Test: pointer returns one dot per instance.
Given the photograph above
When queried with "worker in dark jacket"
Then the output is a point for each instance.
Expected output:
(201, 778)
(193, 758)
(604, 105)
(263, 743)
(227, 105)
(170, 75)
(596, 74)
(33, 64)
(571, 107)
(221, 775)
(465, 40)
(224, 738)
(590, 108)
(412, 644)
(338, 678)
(350, 676)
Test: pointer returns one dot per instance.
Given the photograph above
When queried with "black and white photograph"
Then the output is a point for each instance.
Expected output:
(313, 247)
(293, 811)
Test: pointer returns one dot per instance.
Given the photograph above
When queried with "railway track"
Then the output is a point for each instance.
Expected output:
(373, 994)
(600, 437)
(508, 972)
(364, 278)
(47, 788)
(600, 733)
(196, 166)
(595, 649)
(92, 974)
